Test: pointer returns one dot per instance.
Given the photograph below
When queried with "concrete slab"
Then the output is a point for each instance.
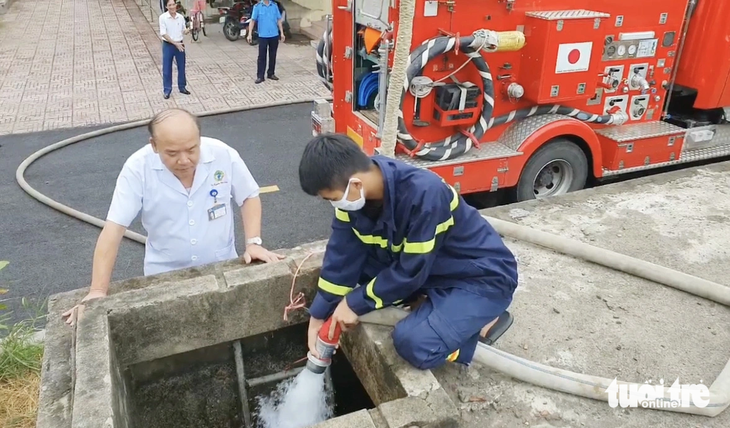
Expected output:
(585, 318)
(85, 378)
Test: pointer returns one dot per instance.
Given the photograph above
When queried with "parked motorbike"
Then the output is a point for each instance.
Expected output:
(236, 20)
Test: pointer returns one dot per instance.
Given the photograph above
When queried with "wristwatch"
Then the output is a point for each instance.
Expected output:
(254, 241)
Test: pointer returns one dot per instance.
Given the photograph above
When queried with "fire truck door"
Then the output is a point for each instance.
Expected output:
(372, 13)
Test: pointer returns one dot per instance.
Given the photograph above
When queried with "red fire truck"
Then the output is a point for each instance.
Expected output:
(537, 96)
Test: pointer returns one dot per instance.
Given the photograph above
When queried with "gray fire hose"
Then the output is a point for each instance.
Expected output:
(516, 367)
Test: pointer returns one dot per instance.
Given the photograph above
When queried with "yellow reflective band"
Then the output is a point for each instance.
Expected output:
(342, 216)
(455, 200)
(453, 356)
(397, 302)
(408, 247)
(337, 290)
(371, 294)
(372, 240)
(427, 247)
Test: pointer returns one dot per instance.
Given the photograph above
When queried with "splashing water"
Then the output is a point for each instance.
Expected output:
(298, 402)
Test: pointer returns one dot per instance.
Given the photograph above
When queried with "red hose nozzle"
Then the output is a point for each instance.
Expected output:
(325, 348)
(324, 332)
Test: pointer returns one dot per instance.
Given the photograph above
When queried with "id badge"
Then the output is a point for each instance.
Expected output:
(217, 211)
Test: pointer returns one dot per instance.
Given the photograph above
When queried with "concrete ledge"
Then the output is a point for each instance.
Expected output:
(148, 319)
(93, 350)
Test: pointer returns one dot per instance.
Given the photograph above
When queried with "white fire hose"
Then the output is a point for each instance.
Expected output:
(577, 383)
(403, 39)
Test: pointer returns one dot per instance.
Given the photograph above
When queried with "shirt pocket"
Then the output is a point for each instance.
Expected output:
(223, 193)
(226, 253)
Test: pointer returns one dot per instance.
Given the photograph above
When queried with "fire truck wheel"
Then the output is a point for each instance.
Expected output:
(555, 169)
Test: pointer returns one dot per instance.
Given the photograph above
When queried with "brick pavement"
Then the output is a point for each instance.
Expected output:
(69, 63)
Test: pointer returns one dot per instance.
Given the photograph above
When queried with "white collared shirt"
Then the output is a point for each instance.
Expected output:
(180, 233)
(173, 27)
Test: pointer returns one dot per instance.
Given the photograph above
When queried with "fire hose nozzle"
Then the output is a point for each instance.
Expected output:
(325, 348)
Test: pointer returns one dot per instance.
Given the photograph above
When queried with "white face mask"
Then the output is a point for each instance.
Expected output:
(346, 205)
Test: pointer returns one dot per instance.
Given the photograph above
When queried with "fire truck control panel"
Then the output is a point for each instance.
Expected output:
(536, 96)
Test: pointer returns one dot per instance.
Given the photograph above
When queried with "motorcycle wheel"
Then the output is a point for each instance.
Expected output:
(231, 31)
(194, 33)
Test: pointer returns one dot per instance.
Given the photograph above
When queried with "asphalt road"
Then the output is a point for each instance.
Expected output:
(50, 252)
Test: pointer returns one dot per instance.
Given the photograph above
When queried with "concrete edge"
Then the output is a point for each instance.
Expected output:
(167, 296)
(503, 212)
(93, 349)
(404, 395)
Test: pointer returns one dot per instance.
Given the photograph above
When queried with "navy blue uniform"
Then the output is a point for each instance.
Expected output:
(424, 239)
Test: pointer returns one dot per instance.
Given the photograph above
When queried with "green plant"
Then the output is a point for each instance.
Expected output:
(19, 353)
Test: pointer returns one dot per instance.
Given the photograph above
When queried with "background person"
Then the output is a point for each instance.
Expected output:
(172, 31)
(267, 16)
(182, 184)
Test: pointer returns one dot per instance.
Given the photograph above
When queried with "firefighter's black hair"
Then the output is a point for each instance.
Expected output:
(328, 162)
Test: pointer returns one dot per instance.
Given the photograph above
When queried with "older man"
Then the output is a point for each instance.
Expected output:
(182, 184)
(172, 30)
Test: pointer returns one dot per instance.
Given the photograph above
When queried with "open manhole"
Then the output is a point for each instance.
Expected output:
(201, 388)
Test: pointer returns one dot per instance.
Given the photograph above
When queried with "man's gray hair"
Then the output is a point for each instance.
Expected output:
(166, 114)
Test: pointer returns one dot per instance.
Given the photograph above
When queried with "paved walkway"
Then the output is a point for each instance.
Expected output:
(70, 63)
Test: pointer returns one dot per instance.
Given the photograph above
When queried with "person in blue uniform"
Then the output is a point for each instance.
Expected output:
(400, 233)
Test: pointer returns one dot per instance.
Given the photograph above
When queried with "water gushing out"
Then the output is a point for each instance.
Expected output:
(303, 400)
(299, 402)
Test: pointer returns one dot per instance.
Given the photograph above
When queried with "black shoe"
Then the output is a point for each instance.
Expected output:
(503, 323)
(273, 77)
(185, 91)
(167, 96)
(259, 80)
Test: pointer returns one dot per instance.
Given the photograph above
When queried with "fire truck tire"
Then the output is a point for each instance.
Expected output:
(557, 168)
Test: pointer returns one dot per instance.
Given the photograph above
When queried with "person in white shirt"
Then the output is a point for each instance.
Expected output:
(172, 30)
(182, 184)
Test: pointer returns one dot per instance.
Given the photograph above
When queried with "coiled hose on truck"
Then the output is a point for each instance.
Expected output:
(408, 66)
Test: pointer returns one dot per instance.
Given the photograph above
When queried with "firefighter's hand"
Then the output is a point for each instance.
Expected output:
(343, 316)
(314, 326)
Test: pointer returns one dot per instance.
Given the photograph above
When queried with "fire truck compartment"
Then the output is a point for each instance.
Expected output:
(704, 64)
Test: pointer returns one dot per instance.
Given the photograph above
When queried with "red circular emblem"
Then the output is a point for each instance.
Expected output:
(574, 56)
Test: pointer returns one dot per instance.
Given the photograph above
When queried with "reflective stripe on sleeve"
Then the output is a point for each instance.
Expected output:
(337, 290)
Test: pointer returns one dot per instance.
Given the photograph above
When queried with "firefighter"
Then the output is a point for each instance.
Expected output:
(402, 233)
